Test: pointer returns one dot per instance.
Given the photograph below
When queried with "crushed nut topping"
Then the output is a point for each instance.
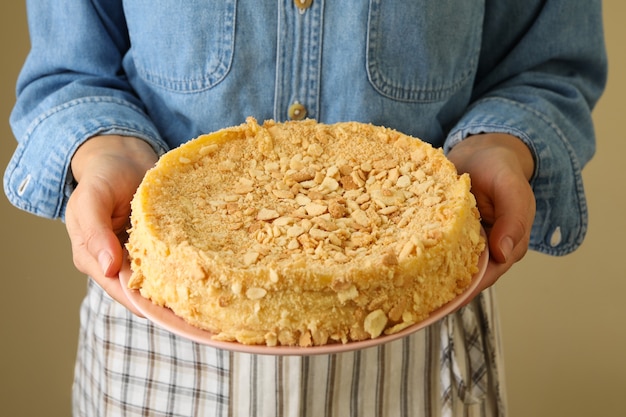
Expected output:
(308, 201)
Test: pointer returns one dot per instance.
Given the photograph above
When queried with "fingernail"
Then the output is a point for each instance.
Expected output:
(105, 260)
(506, 246)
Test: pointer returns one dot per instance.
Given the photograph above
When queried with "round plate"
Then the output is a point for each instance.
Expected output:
(165, 318)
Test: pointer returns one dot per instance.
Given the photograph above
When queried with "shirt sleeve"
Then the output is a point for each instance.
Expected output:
(538, 80)
(70, 88)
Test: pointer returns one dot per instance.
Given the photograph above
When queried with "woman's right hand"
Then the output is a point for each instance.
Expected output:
(108, 170)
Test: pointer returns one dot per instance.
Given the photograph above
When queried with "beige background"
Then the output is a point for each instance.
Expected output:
(563, 318)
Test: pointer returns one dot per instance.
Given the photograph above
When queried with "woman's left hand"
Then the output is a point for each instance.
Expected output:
(500, 167)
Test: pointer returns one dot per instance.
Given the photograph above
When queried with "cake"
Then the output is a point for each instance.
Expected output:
(302, 233)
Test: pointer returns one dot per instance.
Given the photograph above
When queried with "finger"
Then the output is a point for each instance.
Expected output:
(94, 229)
(514, 212)
(111, 285)
(90, 266)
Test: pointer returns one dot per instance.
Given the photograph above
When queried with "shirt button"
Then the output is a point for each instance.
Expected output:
(556, 237)
(297, 111)
(303, 4)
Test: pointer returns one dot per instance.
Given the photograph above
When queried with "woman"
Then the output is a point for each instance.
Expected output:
(505, 88)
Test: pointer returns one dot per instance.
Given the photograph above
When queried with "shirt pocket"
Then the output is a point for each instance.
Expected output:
(182, 46)
(422, 50)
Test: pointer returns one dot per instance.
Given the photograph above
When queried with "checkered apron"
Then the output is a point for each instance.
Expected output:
(128, 367)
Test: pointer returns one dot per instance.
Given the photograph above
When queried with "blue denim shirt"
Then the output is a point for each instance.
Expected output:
(168, 70)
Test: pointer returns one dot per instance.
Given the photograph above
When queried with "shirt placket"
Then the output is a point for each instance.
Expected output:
(298, 59)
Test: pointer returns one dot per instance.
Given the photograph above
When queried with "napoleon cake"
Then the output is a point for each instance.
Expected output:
(302, 233)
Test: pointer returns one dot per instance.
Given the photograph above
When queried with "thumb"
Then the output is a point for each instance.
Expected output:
(510, 230)
(109, 256)
(96, 248)
(508, 233)
(101, 241)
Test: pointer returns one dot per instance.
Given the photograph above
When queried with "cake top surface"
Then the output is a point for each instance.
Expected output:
(303, 194)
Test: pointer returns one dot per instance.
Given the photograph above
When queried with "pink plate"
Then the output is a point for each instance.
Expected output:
(165, 318)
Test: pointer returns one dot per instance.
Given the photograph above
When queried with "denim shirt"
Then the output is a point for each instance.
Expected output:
(167, 71)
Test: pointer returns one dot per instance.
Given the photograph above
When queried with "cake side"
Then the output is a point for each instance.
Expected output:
(303, 233)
